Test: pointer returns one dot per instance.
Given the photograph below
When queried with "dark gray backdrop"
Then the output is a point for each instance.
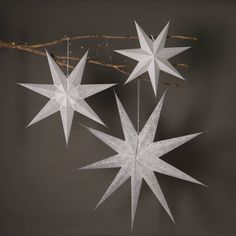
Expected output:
(40, 193)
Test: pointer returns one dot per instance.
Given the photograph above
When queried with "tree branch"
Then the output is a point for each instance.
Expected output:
(122, 68)
(112, 37)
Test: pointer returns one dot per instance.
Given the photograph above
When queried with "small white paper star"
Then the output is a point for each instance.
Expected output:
(138, 157)
(67, 95)
(152, 57)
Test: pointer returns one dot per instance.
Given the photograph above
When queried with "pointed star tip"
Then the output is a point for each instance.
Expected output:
(126, 82)
(115, 93)
(95, 208)
(101, 122)
(166, 26)
(104, 125)
(173, 220)
(88, 128)
(111, 85)
(131, 228)
(168, 23)
(27, 126)
(163, 96)
(117, 98)
(165, 91)
(137, 25)
(73, 171)
(83, 126)
(155, 91)
(200, 183)
(178, 75)
(85, 56)
(49, 57)
(204, 185)
(203, 132)
(82, 168)
(119, 51)
(47, 53)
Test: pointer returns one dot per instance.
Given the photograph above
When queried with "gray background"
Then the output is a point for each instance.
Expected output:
(40, 193)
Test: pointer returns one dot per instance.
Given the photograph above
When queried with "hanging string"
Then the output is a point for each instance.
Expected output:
(67, 55)
(138, 105)
(138, 99)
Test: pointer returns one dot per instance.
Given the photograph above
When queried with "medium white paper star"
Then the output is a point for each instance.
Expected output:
(67, 95)
(138, 157)
(152, 57)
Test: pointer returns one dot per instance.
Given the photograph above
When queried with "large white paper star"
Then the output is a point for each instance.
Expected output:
(138, 157)
(152, 57)
(67, 95)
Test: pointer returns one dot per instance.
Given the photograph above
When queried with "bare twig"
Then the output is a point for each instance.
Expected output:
(122, 68)
(111, 37)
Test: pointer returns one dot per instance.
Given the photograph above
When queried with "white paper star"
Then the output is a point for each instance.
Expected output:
(138, 157)
(152, 57)
(67, 95)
